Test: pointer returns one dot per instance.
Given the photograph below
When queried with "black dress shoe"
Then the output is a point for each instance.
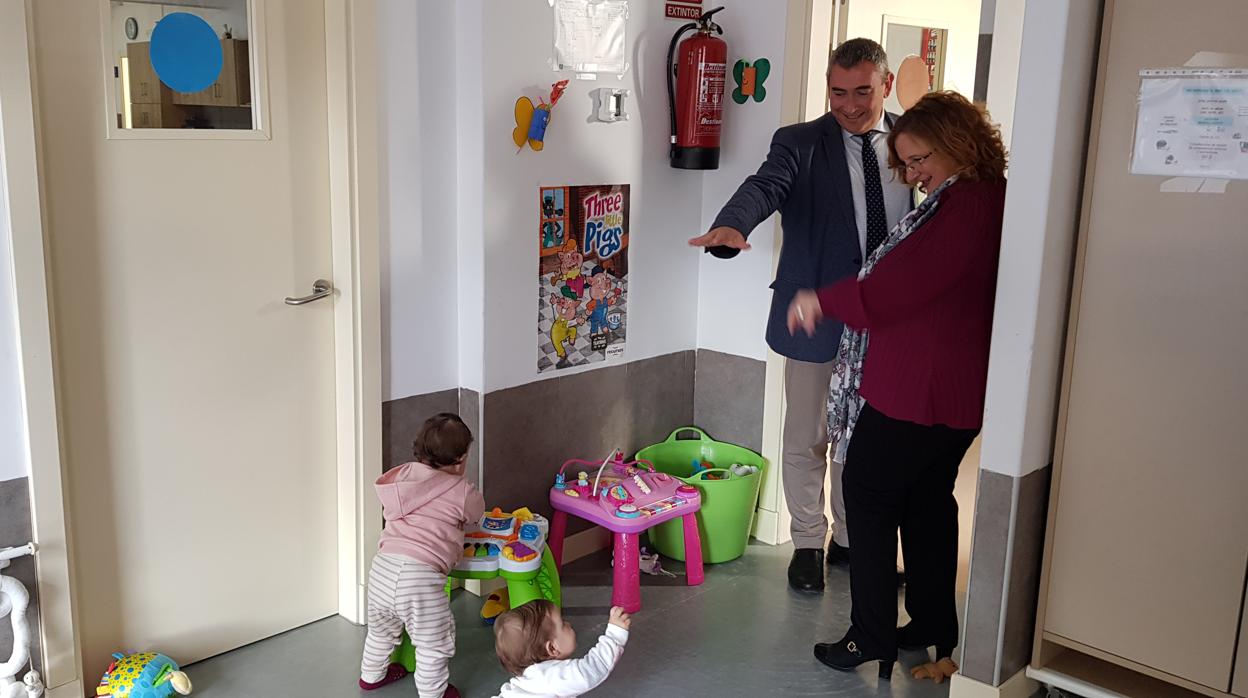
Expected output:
(909, 639)
(837, 554)
(847, 656)
(806, 570)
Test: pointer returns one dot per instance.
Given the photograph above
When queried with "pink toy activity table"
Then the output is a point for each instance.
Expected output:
(626, 499)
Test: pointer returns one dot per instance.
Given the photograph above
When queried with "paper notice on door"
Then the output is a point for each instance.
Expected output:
(1192, 122)
(590, 36)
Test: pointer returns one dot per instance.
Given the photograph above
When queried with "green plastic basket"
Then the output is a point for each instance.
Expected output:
(727, 513)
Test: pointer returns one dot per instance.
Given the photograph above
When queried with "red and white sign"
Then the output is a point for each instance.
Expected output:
(685, 9)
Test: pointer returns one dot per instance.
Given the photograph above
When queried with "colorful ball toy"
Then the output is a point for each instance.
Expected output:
(143, 675)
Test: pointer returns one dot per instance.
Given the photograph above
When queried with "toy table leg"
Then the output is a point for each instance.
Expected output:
(626, 586)
(520, 592)
(543, 585)
(558, 526)
(548, 579)
(693, 550)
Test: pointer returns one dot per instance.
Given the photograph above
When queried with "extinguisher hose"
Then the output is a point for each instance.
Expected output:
(671, 73)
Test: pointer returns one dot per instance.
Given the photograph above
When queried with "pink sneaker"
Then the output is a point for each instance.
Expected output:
(394, 673)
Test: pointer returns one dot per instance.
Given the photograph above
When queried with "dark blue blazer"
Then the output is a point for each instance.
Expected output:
(806, 179)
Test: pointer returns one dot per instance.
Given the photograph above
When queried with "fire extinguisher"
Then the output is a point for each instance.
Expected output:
(696, 101)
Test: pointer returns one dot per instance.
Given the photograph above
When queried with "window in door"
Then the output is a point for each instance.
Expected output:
(182, 65)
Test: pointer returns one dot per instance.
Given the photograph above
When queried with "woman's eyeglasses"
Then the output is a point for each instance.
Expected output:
(912, 165)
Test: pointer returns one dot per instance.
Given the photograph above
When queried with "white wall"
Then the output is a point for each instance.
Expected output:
(470, 184)
(13, 457)
(1055, 71)
(960, 17)
(1007, 41)
(987, 16)
(235, 15)
(665, 203)
(419, 241)
(733, 300)
(459, 307)
(733, 295)
(219, 14)
(144, 14)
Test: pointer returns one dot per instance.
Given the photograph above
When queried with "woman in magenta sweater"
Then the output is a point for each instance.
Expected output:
(914, 400)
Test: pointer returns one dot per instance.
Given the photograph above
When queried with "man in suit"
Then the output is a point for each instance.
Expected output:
(829, 179)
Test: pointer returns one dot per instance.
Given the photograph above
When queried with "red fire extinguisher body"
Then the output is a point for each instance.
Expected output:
(700, 72)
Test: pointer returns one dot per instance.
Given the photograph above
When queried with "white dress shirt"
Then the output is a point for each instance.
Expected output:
(898, 197)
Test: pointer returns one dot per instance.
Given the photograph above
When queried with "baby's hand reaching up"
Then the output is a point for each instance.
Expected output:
(620, 618)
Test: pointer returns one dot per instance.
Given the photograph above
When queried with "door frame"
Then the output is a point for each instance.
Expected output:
(350, 33)
(62, 666)
(808, 31)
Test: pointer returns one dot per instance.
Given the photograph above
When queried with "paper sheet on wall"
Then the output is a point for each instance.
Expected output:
(590, 36)
(582, 275)
(1192, 122)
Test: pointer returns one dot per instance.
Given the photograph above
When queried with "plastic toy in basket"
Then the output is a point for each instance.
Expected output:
(730, 494)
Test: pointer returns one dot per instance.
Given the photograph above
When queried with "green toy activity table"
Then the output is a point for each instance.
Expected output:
(511, 546)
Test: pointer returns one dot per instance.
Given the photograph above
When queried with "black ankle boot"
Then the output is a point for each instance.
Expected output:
(846, 655)
(806, 570)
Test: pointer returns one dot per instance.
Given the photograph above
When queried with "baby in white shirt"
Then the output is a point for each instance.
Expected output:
(534, 642)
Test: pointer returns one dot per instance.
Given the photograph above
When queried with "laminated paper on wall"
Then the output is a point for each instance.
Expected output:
(590, 36)
(1192, 122)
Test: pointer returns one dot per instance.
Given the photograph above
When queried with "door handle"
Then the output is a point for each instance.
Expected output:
(320, 289)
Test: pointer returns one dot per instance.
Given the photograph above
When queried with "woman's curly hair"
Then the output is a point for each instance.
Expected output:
(956, 128)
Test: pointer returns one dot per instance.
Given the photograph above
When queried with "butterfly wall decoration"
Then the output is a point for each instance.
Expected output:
(750, 79)
(531, 121)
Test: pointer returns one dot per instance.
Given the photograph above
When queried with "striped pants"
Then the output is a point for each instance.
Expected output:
(403, 593)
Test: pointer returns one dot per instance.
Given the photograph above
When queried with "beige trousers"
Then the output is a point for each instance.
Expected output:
(806, 456)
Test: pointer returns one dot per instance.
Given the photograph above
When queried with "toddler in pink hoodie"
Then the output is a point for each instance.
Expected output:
(425, 504)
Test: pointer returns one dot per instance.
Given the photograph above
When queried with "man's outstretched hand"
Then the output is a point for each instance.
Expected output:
(723, 236)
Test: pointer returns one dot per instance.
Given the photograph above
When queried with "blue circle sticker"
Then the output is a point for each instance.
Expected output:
(186, 53)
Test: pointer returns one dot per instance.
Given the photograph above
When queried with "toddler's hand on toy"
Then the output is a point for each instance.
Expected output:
(620, 618)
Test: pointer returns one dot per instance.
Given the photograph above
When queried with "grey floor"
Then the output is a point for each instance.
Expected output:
(741, 633)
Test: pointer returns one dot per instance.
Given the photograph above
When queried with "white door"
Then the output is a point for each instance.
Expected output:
(1148, 534)
(197, 407)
